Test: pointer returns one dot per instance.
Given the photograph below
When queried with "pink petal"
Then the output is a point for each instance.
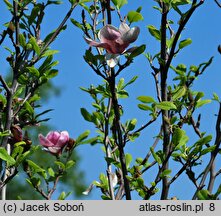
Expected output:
(131, 35)
(44, 141)
(91, 42)
(63, 139)
(108, 33)
(53, 136)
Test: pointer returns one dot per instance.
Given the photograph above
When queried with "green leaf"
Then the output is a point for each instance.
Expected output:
(34, 71)
(6, 157)
(51, 172)
(165, 173)
(76, 23)
(9, 5)
(49, 52)
(180, 2)
(154, 32)
(155, 156)
(177, 136)
(69, 164)
(57, 2)
(145, 107)
(90, 58)
(134, 16)
(36, 168)
(128, 158)
(60, 165)
(3, 100)
(203, 195)
(87, 116)
(35, 46)
(131, 125)
(34, 14)
(204, 140)
(199, 96)
(120, 84)
(62, 196)
(52, 73)
(215, 97)
(207, 150)
(131, 81)
(119, 3)
(184, 43)
(180, 92)
(22, 40)
(82, 137)
(29, 108)
(146, 99)
(139, 50)
(4, 133)
(166, 105)
(202, 103)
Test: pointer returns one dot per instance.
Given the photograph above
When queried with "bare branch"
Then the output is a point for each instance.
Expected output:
(218, 3)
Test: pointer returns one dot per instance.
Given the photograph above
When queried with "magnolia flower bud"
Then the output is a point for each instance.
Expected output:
(16, 133)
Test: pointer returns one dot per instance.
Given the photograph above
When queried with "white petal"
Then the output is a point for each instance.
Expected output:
(124, 28)
(112, 59)
(88, 189)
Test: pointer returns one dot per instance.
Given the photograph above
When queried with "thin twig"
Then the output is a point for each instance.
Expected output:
(213, 155)
(58, 30)
(108, 153)
(117, 125)
(4, 84)
(218, 3)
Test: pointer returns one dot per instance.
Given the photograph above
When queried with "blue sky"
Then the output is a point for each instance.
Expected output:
(203, 29)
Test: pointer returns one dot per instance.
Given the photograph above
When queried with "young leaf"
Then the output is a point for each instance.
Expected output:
(82, 137)
(202, 102)
(166, 105)
(145, 107)
(37, 168)
(49, 53)
(6, 157)
(146, 99)
(34, 71)
(132, 124)
(139, 50)
(134, 16)
(203, 195)
(22, 40)
(154, 32)
(215, 97)
(165, 173)
(184, 43)
(34, 44)
(128, 159)
(180, 92)
(87, 116)
(119, 3)
(177, 136)
(155, 156)
(69, 164)
(130, 82)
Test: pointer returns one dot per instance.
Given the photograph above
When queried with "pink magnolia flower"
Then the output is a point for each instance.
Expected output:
(114, 40)
(55, 141)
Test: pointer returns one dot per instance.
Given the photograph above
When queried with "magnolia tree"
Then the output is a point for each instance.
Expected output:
(110, 51)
